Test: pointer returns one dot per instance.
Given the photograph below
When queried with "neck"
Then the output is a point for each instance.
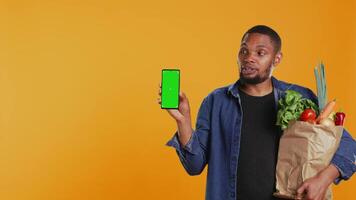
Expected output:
(260, 89)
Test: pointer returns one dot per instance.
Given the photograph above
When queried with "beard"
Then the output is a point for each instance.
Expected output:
(259, 78)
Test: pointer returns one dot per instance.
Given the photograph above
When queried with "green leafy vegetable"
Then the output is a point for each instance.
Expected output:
(291, 107)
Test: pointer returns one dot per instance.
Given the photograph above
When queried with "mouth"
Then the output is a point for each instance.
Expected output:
(245, 70)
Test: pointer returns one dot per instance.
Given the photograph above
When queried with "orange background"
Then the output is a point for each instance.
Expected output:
(79, 80)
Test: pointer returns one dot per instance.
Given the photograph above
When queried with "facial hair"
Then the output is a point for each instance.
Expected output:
(258, 78)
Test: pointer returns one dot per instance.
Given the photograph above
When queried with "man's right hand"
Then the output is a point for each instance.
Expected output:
(182, 114)
(182, 117)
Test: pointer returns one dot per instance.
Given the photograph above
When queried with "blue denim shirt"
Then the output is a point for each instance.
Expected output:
(216, 140)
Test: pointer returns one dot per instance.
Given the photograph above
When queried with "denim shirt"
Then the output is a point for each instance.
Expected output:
(216, 140)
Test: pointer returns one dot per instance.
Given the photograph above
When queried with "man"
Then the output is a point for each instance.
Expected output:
(236, 135)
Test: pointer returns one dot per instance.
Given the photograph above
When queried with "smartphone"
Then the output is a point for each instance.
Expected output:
(170, 86)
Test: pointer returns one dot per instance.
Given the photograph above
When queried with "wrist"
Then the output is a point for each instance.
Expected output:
(330, 173)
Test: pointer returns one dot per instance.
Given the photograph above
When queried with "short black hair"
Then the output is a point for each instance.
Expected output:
(265, 30)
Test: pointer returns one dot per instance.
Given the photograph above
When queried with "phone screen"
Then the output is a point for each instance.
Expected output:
(170, 88)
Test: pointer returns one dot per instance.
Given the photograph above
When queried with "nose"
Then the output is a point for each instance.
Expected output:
(249, 58)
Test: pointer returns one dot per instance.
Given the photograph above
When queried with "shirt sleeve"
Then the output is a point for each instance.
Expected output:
(344, 158)
(193, 155)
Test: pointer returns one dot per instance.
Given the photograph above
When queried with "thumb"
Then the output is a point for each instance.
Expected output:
(301, 190)
(182, 95)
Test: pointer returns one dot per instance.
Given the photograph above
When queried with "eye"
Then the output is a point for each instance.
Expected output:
(243, 51)
(261, 53)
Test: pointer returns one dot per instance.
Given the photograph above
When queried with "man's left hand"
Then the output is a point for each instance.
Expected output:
(315, 188)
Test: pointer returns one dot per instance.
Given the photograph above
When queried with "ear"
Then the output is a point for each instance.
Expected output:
(277, 58)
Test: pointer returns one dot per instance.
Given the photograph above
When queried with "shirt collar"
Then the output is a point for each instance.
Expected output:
(233, 88)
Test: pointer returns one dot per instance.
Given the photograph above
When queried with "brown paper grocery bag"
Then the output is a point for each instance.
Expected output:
(304, 150)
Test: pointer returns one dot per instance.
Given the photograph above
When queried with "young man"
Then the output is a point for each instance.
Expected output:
(236, 133)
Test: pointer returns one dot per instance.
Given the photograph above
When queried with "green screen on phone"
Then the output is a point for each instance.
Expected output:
(170, 88)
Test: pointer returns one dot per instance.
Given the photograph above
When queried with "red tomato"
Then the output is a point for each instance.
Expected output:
(308, 115)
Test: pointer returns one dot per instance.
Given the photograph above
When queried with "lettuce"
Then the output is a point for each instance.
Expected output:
(291, 107)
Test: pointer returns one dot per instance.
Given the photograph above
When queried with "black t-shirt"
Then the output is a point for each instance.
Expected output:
(258, 148)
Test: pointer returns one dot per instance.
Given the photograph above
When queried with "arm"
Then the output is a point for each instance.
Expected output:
(316, 187)
(191, 145)
(344, 158)
(345, 155)
(342, 166)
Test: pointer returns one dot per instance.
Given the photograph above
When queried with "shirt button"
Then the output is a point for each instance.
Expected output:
(232, 194)
(232, 185)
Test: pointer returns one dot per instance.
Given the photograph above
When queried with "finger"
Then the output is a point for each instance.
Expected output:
(302, 190)
(159, 100)
(175, 113)
(160, 89)
(182, 96)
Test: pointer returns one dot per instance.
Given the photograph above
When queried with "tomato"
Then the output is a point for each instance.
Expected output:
(308, 115)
